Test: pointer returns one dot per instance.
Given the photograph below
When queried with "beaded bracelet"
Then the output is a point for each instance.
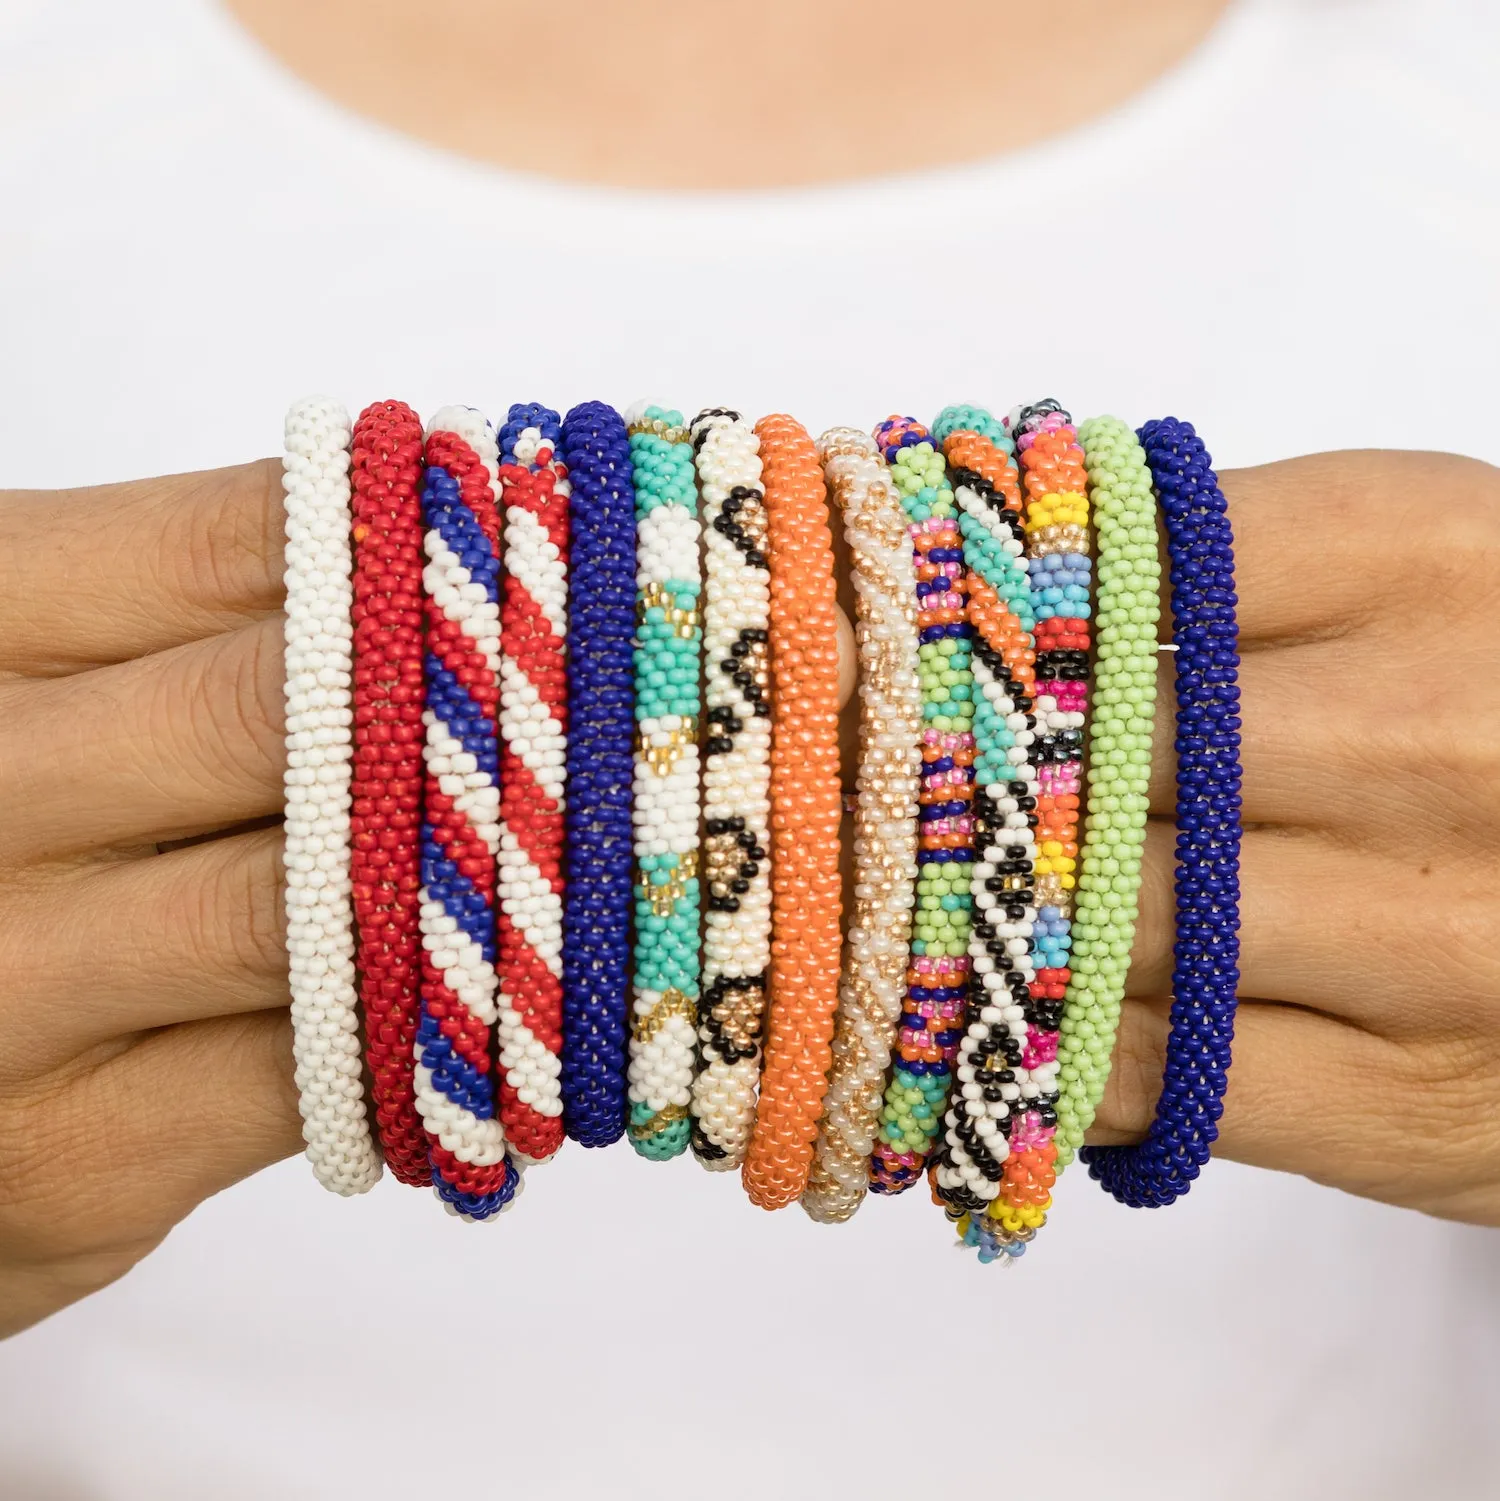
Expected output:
(937, 977)
(1057, 546)
(533, 752)
(1205, 970)
(1005, 1076)
(1119, 749)
(386, 472)
(885, 836)
(736, 787)
(806, 805)
(601, 714)
(664, 1021)
(320, 938)
(455, 1084)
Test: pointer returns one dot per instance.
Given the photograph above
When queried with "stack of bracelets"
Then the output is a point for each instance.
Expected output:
(564, 794)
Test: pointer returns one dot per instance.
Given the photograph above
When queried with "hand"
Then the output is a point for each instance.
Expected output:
(145, 1045)
(146, 1053)
(1367, 1047)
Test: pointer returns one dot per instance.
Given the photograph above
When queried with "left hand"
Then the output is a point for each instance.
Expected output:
(1367, 1048)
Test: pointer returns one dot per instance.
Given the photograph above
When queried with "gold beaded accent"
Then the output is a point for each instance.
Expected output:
(662, 897)
(672, 1003)
(656, 596)
(663, 758)
(668, 432)
(738, 1015)
(669, 1115)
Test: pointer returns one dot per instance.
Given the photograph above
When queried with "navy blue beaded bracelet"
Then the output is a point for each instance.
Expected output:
(1205, 971)
(601, 713)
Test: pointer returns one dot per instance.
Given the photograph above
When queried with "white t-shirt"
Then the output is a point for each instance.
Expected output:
(1291, 240)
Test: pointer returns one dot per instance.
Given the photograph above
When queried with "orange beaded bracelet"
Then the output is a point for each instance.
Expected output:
(806, 802)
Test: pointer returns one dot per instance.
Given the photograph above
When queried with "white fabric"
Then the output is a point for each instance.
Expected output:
(1304, 217)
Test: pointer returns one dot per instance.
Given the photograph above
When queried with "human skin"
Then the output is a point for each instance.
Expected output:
(145, 1048)
(768, 93)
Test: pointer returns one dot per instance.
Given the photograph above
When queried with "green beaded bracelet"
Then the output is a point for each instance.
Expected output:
(1118, 737)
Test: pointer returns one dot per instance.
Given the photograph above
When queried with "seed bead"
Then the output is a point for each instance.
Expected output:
(598, 893)
(1119, 758)
(668, 646)
(319, 717)
(1205, 955)
(736, 786)
(1058, 542)
(1005, 1074)
(385, 823)
(937, 976)
(533, 770)
(885, 814)
(455, 1079)
(806, 804)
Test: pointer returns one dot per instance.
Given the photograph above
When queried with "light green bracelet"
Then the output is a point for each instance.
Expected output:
(1118, 747)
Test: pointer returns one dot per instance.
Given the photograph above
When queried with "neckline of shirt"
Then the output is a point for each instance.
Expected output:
(1125, 145)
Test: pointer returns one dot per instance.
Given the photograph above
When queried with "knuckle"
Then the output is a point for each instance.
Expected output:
(1451, 1088)
(251, 906)
(1454, 517)
(228, 549)
(1458, 748)
(72, 1219)
(44, 1154)
(233, 709)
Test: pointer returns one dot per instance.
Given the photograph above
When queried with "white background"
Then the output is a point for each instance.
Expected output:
(1290, 241)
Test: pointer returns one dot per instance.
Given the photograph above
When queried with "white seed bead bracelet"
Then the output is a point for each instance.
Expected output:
(319, 744)
(736, 787)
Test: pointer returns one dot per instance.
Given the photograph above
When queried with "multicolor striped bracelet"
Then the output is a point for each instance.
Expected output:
(736, 787)
(938, 973)
(806, 798)
(386, 473)
(664, 1020)
(1205, 968)
(601, 712)
(1119, 758)
(319, 914)
(994, 1131)
(1057, 546)
(885, 835)
(455, 1082)
(533, 768)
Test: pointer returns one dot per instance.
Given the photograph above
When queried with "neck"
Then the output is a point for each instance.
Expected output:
(711, 94)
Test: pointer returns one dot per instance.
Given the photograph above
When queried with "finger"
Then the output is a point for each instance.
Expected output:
(1312, 1095)
(1274, 764)
(149, 1133)
(146, 943)
(1290, 1067)
(1334, 737)
(1332, 931)
(1337, 505)
(176, 744)
(97, 576)
(1296, 734)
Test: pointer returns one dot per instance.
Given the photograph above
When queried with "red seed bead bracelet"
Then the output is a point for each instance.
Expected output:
(385, 819)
